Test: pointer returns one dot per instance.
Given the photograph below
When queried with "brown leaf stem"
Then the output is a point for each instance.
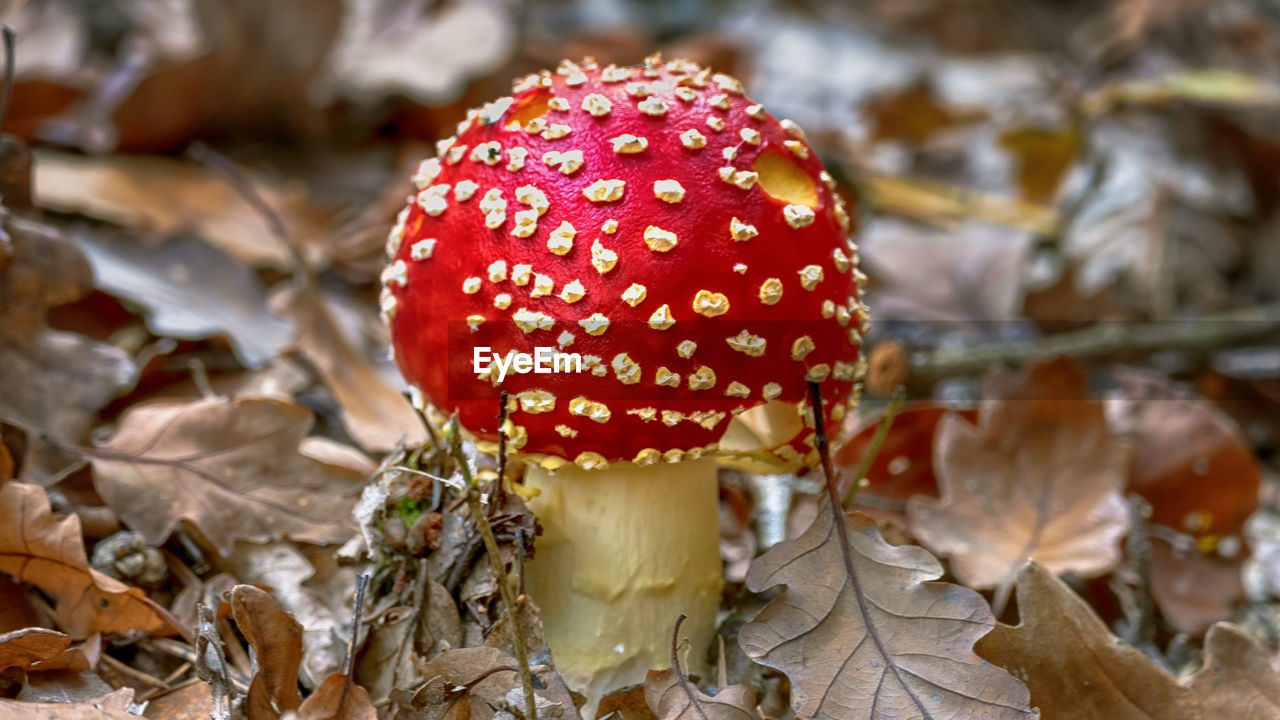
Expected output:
(675, 668)
(877, 440)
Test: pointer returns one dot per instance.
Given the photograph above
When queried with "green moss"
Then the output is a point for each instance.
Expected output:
(409, 510)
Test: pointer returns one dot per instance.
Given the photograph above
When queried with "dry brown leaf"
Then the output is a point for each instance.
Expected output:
(113, 706)
(971, 272)
(375, 413)
(672, 697)
(53, 382)
(276, 639)
(323, 610)
(167, 196)
(16, 609)
(336, 699)
(862, 634)
(625, 704)
(24, 648)
(49, 554)
(190, 290)
(477, 682)
(1077, 670)
(1190, 460)
(190, 701)
(104, 709)
(38, 649)
(1043, 155)
(457, 41)
(1193, 589)
(1039, 477)
(231, 467)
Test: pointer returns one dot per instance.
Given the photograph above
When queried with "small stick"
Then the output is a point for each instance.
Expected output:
(131, 672)
(349, 666)
(502, 445)
(1143, 626)
(243, 187)
(9, 70)
(877, 440)
(499, 572)
(1103, 340)
(211, 663)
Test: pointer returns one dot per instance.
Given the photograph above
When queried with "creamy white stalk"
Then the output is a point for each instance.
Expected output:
(624, 551)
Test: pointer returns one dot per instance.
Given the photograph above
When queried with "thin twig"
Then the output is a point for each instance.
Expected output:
(131, 672)
(877, 440)
(362, 583)
(211, 662)
(243, 186)
(1102, 340)
(1142, 627)
(502, 446)
(9, 70)
(499, 572)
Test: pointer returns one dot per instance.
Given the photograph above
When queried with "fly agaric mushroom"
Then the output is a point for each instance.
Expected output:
(691, 250)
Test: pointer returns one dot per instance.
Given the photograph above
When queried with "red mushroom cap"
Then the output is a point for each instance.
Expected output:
(687, 244)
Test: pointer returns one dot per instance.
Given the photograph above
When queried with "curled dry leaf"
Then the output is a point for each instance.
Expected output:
(862, 634)
(49, 554)
(323, 612)
(25, 648)
(338, 699)
(38, 649)
(1076, 669)
(277, 643)
(672, 697)
(1039, 477)
(231, 467)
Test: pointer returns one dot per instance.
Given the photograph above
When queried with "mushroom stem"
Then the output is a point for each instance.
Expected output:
(623, 552)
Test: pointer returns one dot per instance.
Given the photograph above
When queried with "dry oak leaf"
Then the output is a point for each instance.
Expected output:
(1039, 477)
(861, 634)
(672, 697)
(331, 701)
(1077, 670)
(49, 554)
(232, 467)
(276, 639)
